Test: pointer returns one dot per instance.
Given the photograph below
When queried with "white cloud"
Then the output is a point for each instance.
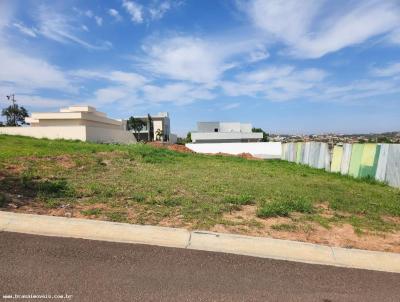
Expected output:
(157, 12)
(178, 93)
(196, 59)
(359, 90)
(60, 28)
(89, 13)
(85, 28)
(231, 106)
(25, 30)
(99, 20)
(276, 83)
(37, 101)
(134, 9)
(388, 71)
(27, 72)
(114, 13)
(128, 79)
(184, 58)
(394, 37)
(309, 33)
(259, 54)
(111, 95)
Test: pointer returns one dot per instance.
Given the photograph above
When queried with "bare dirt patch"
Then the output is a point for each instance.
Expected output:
(245, 222)
(172, 147)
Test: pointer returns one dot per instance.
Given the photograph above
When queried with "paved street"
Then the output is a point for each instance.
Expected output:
(104, 271)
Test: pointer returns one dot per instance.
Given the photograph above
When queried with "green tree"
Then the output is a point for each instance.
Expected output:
(159, 134)
(15, 115)
(136, 125)
(265, 135)
(186, 140)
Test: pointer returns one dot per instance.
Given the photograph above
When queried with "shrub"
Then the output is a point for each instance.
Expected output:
(284, 208)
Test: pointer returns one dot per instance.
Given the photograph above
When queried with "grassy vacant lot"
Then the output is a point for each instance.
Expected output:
(148, 185)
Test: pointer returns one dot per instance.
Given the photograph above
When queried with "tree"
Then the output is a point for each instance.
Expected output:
(15, 115)
(136, 125)
(265, 135)
(159, 134)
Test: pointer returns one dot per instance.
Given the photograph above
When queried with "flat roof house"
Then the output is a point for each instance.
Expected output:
(221, 132)
(154, 124)
(83, 123)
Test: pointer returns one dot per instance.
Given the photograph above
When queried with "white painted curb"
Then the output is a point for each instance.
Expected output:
(199, 240)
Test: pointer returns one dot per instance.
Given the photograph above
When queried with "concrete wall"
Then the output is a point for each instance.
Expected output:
(107, 135)
(83, 133)
(207, 126)
(70, 132)
(260, 150)
(229, 127)
(228, 136)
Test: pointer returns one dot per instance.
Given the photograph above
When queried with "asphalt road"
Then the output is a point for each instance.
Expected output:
(103, 271)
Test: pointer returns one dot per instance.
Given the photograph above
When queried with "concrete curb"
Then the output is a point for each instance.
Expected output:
(199, 240)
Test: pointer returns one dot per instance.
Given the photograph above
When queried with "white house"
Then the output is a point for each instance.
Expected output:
(75, 122)
(155, 124)
(220, 132)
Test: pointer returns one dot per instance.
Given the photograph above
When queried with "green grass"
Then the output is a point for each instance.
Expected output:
(152, 185)
(285, 227)
(92, 212)
(284, 208)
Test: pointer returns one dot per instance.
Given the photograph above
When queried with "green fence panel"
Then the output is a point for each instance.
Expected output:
(336, 158)
(369, 160)
(355, 159)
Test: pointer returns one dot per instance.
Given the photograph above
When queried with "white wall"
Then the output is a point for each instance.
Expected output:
(83, 133)
(107, 135)
(198, 136)
(51, 132)
(260, 150)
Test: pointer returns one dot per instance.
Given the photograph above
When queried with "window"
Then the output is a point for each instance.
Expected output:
(215, 129)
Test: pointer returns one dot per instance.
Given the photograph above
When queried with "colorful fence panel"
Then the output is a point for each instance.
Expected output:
(393, 166)
(346, 156)
(337, 155)
(378, 161)
(382, 163)
(369, 160)
(355, 160)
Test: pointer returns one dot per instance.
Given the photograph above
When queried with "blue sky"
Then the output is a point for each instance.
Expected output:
(290, 66)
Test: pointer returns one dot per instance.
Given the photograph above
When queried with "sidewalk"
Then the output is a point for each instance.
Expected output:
(199, 240)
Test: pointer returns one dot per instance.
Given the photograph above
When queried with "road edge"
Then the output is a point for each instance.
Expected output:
(199, 240)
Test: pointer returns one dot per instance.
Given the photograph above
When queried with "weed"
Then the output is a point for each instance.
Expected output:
(52, 203)
(284, 208)
(117, 216)
(92, 212)
(138, 197)
(284, 227)
(240, 200)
